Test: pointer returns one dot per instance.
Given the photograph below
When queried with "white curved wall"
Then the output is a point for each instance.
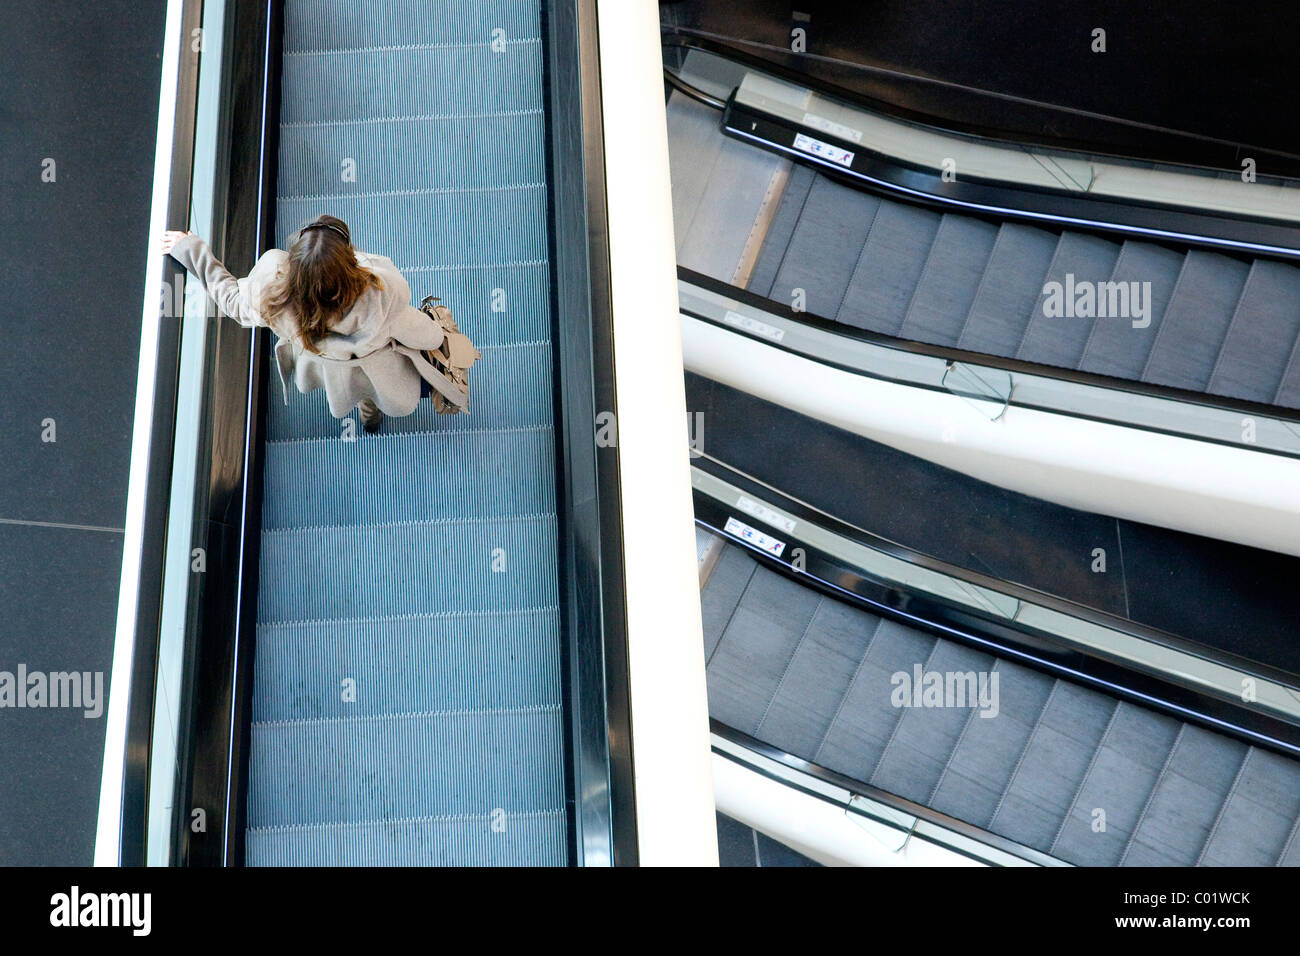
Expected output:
(817, 828)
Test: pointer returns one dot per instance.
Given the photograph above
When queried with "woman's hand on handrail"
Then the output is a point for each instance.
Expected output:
(171, 237)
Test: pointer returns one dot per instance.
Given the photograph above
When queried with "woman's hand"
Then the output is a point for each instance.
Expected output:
(171, 237)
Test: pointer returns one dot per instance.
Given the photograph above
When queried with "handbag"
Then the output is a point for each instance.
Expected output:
(453, 358)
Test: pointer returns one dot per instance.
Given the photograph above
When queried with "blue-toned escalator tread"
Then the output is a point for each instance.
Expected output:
(407, 702)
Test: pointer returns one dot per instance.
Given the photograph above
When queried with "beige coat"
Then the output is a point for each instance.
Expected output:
(372, 353)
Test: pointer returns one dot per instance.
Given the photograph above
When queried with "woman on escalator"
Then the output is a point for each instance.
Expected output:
(344, 319)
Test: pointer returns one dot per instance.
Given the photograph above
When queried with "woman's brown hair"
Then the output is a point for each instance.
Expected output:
(320, 280)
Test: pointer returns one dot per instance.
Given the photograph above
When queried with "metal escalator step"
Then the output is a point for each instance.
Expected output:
(446, 228)
(409, 476)
(827, 241)
(949, 281)
(1123, 774)
(718, 602)
(371, 769)
(889, 268)
(423, 663)
(413, 157)
(1009, 290)
(387, 84)
(1120, 344)
(510, 387)
(1262, 335)
(335, 24)
(416, 567)
(743, 675)
(780, 231)
(1290, 855)
(1257, 820)
(1060, 339)
(865, 719)
(1288, 392)
(489, 839)
(1196, 321)
(925, 736)
(980, 768)
(1181, 812)
(817, 678)
(1054, 763)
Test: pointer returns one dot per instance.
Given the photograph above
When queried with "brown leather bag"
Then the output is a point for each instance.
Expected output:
(453, 358)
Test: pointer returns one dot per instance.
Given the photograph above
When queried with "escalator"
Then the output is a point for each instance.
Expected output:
(1211, 322)
(413, 646)
(850, 557)
(396, 562)
(1050, 765)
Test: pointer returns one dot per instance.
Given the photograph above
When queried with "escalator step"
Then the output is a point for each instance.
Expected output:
(1009, 291)
(419, 156)
(980, 768)
(827, 242)
(1196, 321)
(727, 583)
(743, 676)
(865, 719)
(395, 83)
(951, 277)
(1259, 816)
(374, 477)
(1181, 812)
(489, 839)
(407, 665)
(1122, 776)
(1060, 339)
(818, 677)
(1262, 335)
(780, 230)
(724, 187)
(414, 567)
(1116, 346)
(889, 268)
(1056, 758)
(335, 24)
(361, 770)
(510, 387)
(925, 736)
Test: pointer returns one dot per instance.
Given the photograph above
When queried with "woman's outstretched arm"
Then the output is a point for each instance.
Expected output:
(237, 298)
